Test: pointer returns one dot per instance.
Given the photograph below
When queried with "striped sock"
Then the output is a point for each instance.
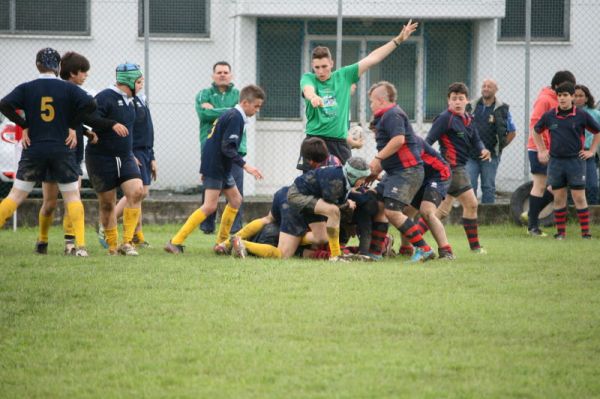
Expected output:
(423, 226)
(470, 226)
(584, 221)
(560, 218)
(377, 237)
(412, 232)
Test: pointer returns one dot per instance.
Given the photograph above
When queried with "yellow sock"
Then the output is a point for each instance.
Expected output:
(305, 241)
(45, 222)
(227, 219)
(77, 216)
(262, 250)
(7, 208)
(251, 229)
(68, 228)
(130, 221)
(140, 236)
(333, 235)
(190, 225)
(112, 238)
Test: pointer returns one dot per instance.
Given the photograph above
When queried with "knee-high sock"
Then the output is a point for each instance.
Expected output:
(333, 236)
(139, 235)
(44, 226)
(130, 221)
(7, 208)
(112, 238)
(413, 233)
(262, 250)
(584, 220)
(471, 230)
(227, 219)
(77, 216)
(190, 225)
(560, 218)
(377, 237)
(69, 230)
(423, 226)
(251, 229)
(533, 215)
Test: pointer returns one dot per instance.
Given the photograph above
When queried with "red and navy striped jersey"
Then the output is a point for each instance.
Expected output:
(434, 165)
(51, 106)
(567, 130)
(456, 135)
(389, 123)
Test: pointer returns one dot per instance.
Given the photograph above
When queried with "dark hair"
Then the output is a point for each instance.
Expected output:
(224, 63)
(389, 88)
(459, 88)
(566, 87)
(251, 93)
(320, 52)
(314, 149)
(561, 77)
(73, 63)
(590, 99)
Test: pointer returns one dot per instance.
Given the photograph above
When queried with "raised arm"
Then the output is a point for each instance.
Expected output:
(380, 53)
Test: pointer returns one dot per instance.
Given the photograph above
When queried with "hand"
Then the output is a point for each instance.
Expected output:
(316, 102)
(120, 130)
(71, 140)
(253, 171)
(207, 106)
(375, 166)
(407, 30)
(586, 154)
(355, 143)
(543, 156)
(486, 155)
(153, 169)
(351, 204)
(92, 137)
(25, 140)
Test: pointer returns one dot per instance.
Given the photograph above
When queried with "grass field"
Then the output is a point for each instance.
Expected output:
(522, 322)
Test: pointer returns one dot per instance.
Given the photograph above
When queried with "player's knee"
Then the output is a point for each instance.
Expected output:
(137, 194)
(107, 207)
(48, 206)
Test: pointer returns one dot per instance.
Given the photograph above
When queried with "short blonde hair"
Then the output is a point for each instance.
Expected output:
(390, 90)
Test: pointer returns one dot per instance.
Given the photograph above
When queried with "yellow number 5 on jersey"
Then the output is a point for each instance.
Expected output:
(47, 109)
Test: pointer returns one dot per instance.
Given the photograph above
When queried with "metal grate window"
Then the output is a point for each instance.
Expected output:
(176, 18)
(550, 20)
(48, 17)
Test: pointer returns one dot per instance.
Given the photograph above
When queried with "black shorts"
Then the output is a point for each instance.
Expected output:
(563, 172)
(401, 185)
(301, 207)
(144, 156)
(535, 167)
(433, 191)
(269, 234)
(107, 173)
(37, 165)
(460, 181)
(337, 147)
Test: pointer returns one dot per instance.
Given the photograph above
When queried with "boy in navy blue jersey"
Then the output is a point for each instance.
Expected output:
(110, 162)
(398, 154)
(457, 135)
(53, 108)
(143, 150)
(218, 154)
(566, 158)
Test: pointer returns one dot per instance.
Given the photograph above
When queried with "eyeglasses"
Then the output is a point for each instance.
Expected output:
(128, 67)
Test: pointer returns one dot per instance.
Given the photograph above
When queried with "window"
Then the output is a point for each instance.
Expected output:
(176, 18)
(48, 17)
(550, 20)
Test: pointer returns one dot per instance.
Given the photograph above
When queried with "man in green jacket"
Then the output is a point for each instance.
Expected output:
(210, 104)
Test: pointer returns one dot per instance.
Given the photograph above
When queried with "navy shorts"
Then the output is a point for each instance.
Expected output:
(400, 185)
(212, 183)
(535, 167)
(563, 172)
(37, 165)
(460, 181)
(269, 234)
(107, 173)
(144, 156)
(301, 209)
(433, 191)
(51, 179)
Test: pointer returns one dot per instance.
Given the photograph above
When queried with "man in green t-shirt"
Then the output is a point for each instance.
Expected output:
(327, 95)
(211, 103)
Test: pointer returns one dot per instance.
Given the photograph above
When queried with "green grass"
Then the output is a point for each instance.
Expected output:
(522, 321)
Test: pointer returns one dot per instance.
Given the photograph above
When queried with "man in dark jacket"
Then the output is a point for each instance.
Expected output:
(496, 129)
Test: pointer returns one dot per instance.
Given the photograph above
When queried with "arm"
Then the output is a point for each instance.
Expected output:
(437, 129)
(593, 127)
(11, 113)
(543, 154)
(511, 129)
(379, 54)
(205, 110)
(310, 94)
